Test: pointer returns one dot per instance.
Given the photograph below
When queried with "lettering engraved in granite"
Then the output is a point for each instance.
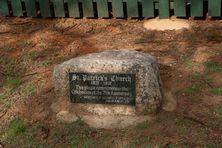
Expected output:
(102, 88)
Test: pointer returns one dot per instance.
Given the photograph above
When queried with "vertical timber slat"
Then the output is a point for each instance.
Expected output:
(87, 6)
(117, 6)
(164, 9)
(44, 8)
(102, 8)
(132, 8)
(4, 8)
(73, 7)
(148, 8)
(214, 7)
(16, 7)
(59, 8)
(180, 8)
(30, 8)
(196, 8)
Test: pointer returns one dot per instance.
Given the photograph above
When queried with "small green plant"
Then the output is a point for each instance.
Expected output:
(201, 78)
(142, 125)
(29, 89)
(213, 67)
(23, 44)
(214, 145)
(145, 140)
(89, 143)
(202, 135)
(11, 66)
(6, 102)
(60, 59)
(216, 91)
(16, 127)
(34, 55)
(7, 49)
(13, 82)
(199, 82)
(47, 62)
(2, 96)
(183, 130)
(2, 60)
(192, 90)
(188, 62)
(213, 124)
(76, 133)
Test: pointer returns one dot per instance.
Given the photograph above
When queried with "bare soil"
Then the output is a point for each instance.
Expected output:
(191, 70)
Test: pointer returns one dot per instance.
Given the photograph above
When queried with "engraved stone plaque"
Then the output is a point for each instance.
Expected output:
(108, 88)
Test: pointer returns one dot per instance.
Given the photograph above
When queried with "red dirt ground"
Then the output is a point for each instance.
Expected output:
(191, 70)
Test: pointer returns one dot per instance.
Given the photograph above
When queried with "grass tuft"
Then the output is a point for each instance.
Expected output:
(199, 82)
(213, 67)
(7, 49)
(188, 61)
(13, 82)
(29, 89)
(34, 55)
(2, 96)
(17, 127)
(23, 44)
(142, 125)
(182, 130)
(216, 91)
(6, 102)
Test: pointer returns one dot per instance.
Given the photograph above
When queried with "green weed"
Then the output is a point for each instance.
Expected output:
(214, 145)
(6, 102)
(13, 82)
(7, 49)
(202, 135)
(89, 143)
(16, 127)
(60, 59)
(34, 55)
(183, 130)
(51, 61)
(213, 124)
(188, 62)
(142, 125)
(17, 134)
(75, 133)
(199, 82)
(49, 52)
(29, 89)
(213, 67)
(47, 62)
(145, 140)
(203, 78)
(192, 90)
(23, 44)
(2, 96)
(216, 91)
(2, 60)
(11, 66)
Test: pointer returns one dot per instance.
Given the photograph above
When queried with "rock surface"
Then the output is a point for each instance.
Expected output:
(148, 83)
